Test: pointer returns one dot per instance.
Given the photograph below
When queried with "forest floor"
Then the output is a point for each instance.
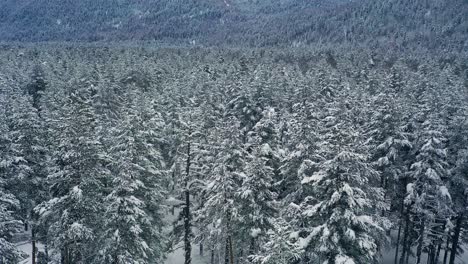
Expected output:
(177, 256)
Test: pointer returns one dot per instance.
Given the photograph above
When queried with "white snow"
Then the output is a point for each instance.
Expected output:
(255, 232)
(171, 201)
(26, 247)
(342, 259)
(318, 176)
(444, 192)
(177, 256)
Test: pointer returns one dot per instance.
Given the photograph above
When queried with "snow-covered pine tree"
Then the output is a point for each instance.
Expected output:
(256, 197)
(220, 210)
(9, 205)
(76, 179)
(426, 193)
(9, 224)
(339, 212)
(278, 246)
(132, 231)
(455, 113)
(458, 182)
(195, 159)
(27, 131)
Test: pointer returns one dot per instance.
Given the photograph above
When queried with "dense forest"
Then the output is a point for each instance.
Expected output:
(395, 24)
(268, 156)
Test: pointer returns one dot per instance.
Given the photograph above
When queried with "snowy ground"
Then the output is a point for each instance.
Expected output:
(177, 257)
(26, 247)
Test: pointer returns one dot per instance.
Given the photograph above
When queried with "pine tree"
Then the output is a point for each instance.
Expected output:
(76, 179)
(341, 224)
(9, 205)
(220, 211)
(256, 197)
(132, 231)
(427, 193)
(427, 196)
(27, 131)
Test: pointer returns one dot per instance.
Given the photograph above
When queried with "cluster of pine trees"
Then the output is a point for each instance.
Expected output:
(270, 156)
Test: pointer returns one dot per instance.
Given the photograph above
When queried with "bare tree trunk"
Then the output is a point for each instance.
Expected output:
(446, 248)
(201, 248)
(46, 249)
(408, 251)
(66, 255)
(405, 238)
(62, 256)
(408, 245)
(420, 242)
(187, 222)
(398, 243)
(456, 238)
(212, 259)
(33, 241)
(252, 246)
(231, 251)
(439, 248)
(226, 251)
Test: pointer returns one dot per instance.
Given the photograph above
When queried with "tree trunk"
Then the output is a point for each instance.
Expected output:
(231, 251)
(408, 245)
(252, 246)
(187, 222)
(447, 248)
(437, 255)
(212, 259)
(33, 242)
(429, 257)
(455, 239)
(404, 246)
(398, 242)
(420, 242)
(201, 248)
(46, 250)
(226, 251)
(65, 255)
(382, 183)
(187, 227)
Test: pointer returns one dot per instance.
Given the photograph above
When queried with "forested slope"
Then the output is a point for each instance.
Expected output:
(399, 24)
